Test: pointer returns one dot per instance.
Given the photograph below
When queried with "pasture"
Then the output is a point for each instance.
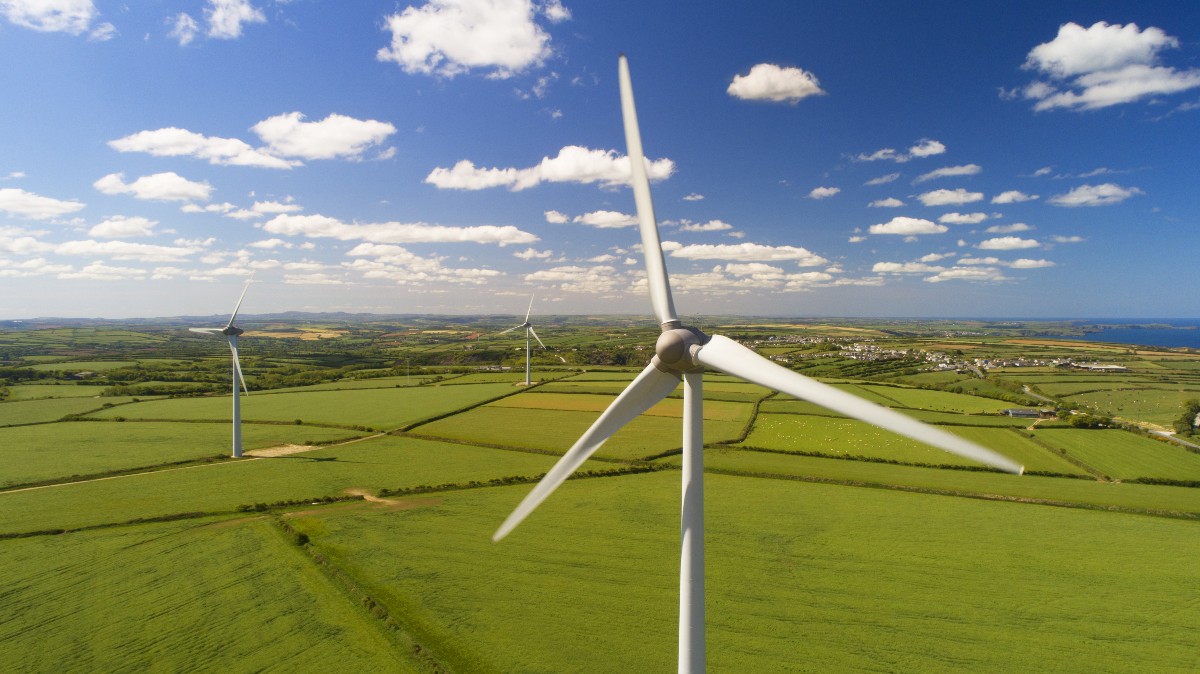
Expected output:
(1124, 455)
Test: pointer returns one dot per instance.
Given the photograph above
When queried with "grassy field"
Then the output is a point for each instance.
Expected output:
(1124, 455)
(195, 596)
(61, 450)
(36, 391)
(53, 409)
(376, 408)
(800, 576)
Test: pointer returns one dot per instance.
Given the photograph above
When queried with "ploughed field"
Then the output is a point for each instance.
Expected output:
(130, 541)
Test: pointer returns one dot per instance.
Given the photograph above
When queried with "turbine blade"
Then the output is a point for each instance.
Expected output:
(239, 305)
(206, 331)
(726, 355)
(508, 330)
(539, 339)
(530, 309)
(651, 386)
(237, 365)
(656, 267)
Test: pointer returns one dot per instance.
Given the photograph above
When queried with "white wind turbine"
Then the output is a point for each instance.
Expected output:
(528, 331)
(231, 333)
(684, 353)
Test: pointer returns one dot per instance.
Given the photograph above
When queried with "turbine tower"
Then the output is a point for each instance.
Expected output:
(683, 353)
(528, 331)
(231, 333)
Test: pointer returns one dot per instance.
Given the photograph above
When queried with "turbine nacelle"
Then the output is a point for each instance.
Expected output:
(676, 350)
(233, 331)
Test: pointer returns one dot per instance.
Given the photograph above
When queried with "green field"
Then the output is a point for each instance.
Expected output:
(209, 595)
(375, 408)
(53, 409)
(35, 391)
(1124, 455)
(66, 449)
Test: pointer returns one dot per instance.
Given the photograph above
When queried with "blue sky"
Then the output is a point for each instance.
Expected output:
(834, 159)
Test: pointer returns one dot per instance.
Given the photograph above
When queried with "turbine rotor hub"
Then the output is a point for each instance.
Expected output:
(232, 330)
(676, 348)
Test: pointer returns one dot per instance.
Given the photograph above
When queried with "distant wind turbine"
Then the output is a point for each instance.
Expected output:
(684, 353)
(231, 333)
(528, 331)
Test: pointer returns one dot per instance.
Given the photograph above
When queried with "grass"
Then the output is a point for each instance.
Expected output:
(799, 576)
(194, 596)
(1121, 454)
(385, 462)
(36, 391)
(375, 408)
(53, 409)
(61, 450)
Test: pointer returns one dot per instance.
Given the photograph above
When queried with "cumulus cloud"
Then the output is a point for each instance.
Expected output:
(59, 16)
(883, 180)
(600, 279)
(890, 202)
(925, 147)
(226, 17)
(606, 219)
(963, 218)
(320, 226)
(176, 142)
(399, 265)
(533, 254)
(746, 252)
(184, 28)
(769, 82)
(1067, 239)
(1008, 229)
(948, 171)
(124, 250)
(905, 268)
(1095, 195)
(710, 226)
(980, 274)
(906, 226)
(694, 197)
(451, 37)
(556, 218)
(1013, 197)
(336, 136)
(18, 202)
(168, 186)
(121, 227)
(945, 197)
(573, 164)
(823, 192)
(1103, 65)
(1008, 243)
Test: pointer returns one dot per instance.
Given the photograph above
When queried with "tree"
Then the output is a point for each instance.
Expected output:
(1186, 423)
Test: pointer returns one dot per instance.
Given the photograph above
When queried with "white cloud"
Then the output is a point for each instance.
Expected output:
(964, 170)
(607, 219)
(124, 250)
(556, 218)
(168, 186)
(226, 17)
(710, 226)
(769, 82)
(905, 268)
(554, 11)
(451, 37)
(963, 218)
(18, 202)
(908, 227)
(1095, 195)
(746, 252)
(890, 202)
(694, 197)
(320, 226)
(1026, 263)
(945, 197)
(336, 136)
(883, 180)
(120, 227)
(175, 142)
(1008, 243)
(823, 192)
(573, 164)
(1045, 170)
(1102, 66)
(857, 239)
(601, 279)
(534, 254)
(184, 28)
(925, 147)
(270, 244)
(98, 271)
(1008, 229)
(53, 16)
(980, 274)
(209, 208)
(1067, 239)
(1014, 196)
(399, 265)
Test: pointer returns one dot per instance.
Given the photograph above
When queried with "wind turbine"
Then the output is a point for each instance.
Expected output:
(231, 333)
(528, 331)
(683, 352)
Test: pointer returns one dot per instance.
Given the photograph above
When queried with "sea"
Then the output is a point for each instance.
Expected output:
(1171, 332)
